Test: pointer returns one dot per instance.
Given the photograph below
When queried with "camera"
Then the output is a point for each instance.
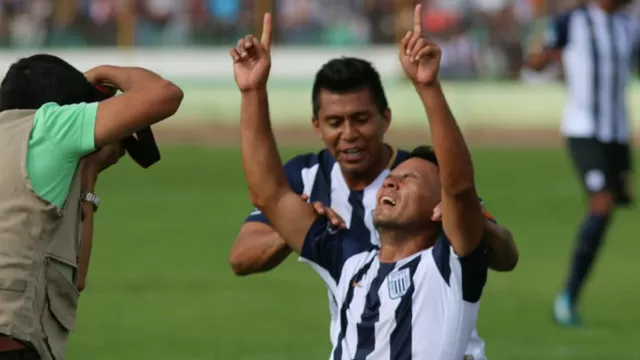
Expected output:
(141, 146)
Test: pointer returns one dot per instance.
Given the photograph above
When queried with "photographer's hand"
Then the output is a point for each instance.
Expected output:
(122, 78)
(147, 98)
(92, 165)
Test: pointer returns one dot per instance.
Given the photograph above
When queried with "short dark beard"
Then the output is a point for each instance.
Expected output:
(398, 232)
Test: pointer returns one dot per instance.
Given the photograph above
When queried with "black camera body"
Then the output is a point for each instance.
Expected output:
(141, 146)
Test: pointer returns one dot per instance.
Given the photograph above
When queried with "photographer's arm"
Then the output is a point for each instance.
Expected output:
(91, 166)
(146, 99)
(89, 178)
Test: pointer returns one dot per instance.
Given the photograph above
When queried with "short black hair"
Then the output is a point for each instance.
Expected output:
(346, 74)
(42, 78)
(424, 152)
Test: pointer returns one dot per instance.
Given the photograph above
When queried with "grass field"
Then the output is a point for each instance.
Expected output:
(160, 286)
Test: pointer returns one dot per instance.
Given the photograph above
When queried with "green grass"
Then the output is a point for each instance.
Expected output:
(160, 286)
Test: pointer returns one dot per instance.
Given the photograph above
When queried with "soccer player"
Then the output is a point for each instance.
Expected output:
(351, 115)
(595, 44)
(347, 129)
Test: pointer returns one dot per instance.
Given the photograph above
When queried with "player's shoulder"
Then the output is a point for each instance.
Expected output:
(43, 113)
(572, 11)
(322, 159)
(564, 18)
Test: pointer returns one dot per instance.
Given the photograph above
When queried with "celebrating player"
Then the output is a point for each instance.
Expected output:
(415, 262)
(596, 43)
(351, 114)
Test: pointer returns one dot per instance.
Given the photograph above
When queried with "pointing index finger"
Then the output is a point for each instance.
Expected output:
(265, 40)
(417, 19)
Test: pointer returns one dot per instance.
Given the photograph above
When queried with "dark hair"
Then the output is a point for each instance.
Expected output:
(39, 79)
(346, 74)
(424, 152)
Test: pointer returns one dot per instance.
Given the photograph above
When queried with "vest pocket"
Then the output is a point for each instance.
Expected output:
(59, 318)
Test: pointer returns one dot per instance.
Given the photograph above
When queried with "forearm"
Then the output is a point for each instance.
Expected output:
(502, 250)
(89, 179)
(260, 158)
(454, 159)
(258, 253)
(540, 60)
(127, 78)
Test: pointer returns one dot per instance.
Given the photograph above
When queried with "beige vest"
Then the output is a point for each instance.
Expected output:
(39, 249)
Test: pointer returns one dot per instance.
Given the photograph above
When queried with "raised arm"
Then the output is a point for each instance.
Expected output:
(462, 217)
(146, 99)
(501, 249)
(258, 247)
(269, 191)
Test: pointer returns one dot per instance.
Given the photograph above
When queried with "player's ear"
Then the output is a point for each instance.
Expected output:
(386, 118)
(316, 125)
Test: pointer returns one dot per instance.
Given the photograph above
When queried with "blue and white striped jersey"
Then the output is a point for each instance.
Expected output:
(422, 307)
(318, 175)
(598, 50)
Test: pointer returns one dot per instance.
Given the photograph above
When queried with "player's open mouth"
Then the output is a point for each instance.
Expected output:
(385, 200)
(353, 154)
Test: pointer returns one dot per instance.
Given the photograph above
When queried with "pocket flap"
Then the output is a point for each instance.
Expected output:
(62, 295)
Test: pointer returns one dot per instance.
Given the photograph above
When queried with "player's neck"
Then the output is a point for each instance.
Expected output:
(607, 6)
(362, 180)
(396, 244)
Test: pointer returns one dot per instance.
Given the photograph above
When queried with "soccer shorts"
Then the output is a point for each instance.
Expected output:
(603, 167)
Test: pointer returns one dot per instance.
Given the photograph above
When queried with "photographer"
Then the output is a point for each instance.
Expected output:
(55, 139)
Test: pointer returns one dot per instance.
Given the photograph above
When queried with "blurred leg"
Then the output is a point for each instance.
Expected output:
(591, 159)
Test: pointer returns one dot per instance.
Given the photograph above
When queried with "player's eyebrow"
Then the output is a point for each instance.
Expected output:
(411, 174)
(360, 113)
(330, 117)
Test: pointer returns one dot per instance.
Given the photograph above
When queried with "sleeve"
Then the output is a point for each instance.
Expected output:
(635, 51)
(473, 267)
(71, 128)
(293, 171)
(557, 34)
(329, 248)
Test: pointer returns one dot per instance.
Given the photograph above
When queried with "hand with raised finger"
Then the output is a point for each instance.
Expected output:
(419, 56)
(252, 59)
(333, 217)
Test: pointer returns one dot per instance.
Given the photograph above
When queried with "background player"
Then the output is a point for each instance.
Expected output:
(415, 268)
(595, 42)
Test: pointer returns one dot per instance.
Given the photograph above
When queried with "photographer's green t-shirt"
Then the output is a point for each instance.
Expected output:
(60, 137)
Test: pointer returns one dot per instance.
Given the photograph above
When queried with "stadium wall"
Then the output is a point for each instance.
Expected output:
(211, 96)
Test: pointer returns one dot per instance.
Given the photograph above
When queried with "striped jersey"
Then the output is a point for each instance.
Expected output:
(422, 307)
(598, 50)
(318, 175)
